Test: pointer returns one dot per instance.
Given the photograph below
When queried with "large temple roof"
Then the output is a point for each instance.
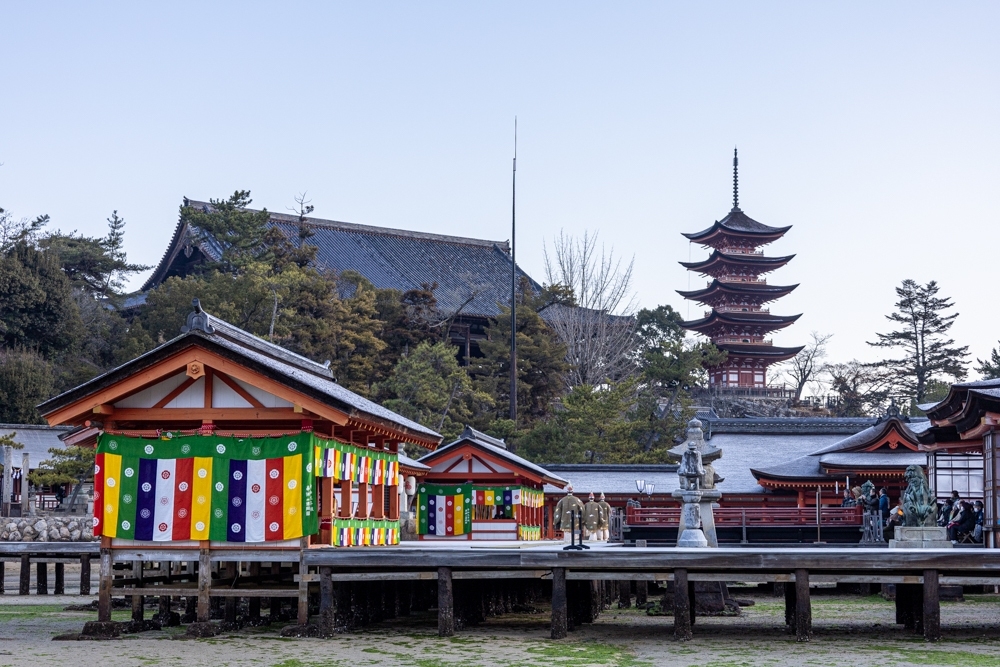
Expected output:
(761, 291)
(753, 319)
(472, 274)
(756, 264)
(738, 224)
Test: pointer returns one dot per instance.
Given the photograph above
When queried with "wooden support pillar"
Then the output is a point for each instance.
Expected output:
(85, 574)
(446, 603)
(137, 600)
(303, 610)
(394, 502)
(326, 510)
(378, 501)
(803, 606)
(24, 587)
(60, 586)
(932, 606)
(641, 593)
(682, 606)
(692, 607)
(789, 592)
(559, 606)
(327, 604)
(624, 594)
(362, 512)
(104, 583)
(345, 499)
(230, 604)
(204, 583)
(42, 578)
(275, 610)
(253, 604)
(3, 574)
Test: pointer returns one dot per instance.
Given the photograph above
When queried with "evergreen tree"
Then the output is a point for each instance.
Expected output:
(990, 369)
(541, 364)
(25, 381)
(429, 387)
(928, 354)
(37, 308)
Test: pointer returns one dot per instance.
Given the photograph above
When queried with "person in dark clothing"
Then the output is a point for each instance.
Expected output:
(964, 523)
(848, 500)
(883, 504)
(944, 512)
(977, 532)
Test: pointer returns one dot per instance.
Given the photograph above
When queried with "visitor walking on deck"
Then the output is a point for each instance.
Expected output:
(883, 504)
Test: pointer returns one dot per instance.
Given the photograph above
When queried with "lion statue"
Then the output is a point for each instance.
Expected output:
(919, 504)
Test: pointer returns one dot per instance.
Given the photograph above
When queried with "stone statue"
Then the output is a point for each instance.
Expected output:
(592, 516)
(690, 474)
(565, 509)
(605, 527)
(919, 504)
(868, 498)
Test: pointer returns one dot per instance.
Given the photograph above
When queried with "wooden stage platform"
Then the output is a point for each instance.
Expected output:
(298, 572)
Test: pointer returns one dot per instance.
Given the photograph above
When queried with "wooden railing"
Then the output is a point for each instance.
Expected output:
(738, 516)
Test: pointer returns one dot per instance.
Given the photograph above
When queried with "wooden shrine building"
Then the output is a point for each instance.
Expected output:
(220, 437)
(737, 321)
(478, 490)
(880, 453)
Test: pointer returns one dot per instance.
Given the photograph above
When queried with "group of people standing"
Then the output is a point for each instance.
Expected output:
(592, 518)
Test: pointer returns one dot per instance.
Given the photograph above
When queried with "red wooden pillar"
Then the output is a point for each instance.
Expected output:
(378, 501)
(362, 512)
(394, 503)
(345, 499)
(327, 503)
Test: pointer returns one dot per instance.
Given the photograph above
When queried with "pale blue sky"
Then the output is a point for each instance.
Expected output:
(872, 128)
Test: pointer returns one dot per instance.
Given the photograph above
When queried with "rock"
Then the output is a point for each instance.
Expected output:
(74, 536)
(63, 533)
(73, 525)
(15, 536)
(40, 526)
(202, 630)
(101, 629)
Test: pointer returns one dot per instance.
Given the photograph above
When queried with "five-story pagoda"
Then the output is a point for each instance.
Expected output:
(737, 293)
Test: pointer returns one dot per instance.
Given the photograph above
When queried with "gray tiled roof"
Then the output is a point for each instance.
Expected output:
(874, 459)
(37, 441)
(276, 359)
(613, 479)
(472, 274)
(741, 452)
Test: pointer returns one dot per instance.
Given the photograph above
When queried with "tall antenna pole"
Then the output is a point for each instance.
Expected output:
(513, 285)
(736, 181)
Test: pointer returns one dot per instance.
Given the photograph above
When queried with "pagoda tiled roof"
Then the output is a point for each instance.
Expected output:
(718, 259)
(739, 223)
(770, 352)
(767, 320)
(768, 292)
(471, 274)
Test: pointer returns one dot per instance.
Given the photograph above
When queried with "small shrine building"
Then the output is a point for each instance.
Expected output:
(222, 438)
(478, 490)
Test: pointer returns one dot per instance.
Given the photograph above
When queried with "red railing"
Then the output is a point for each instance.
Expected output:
(754, 516)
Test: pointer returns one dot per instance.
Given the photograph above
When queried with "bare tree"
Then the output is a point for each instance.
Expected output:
(808, 364)
(599, 328)
(863, 390)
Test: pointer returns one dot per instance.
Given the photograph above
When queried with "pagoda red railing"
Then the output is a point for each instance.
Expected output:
(654, 517)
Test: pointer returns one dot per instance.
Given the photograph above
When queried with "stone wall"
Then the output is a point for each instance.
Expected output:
(47, 529)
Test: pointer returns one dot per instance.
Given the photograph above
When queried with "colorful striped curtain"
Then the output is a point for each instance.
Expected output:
(365, 532)
(444, 510)
(201, 487)
(342, 461)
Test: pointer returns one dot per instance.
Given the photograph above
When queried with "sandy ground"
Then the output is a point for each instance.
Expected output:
(849, 630)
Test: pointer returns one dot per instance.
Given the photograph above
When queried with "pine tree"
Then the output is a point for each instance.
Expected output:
(990, 369)
(928, 354)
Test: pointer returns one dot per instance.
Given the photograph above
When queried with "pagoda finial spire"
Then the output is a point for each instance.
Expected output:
(736, 180)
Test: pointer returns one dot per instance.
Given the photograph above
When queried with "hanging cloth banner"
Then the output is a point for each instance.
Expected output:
(444, 510)
(530, 497)
(203, 487)
(365, 532)
(342, 461)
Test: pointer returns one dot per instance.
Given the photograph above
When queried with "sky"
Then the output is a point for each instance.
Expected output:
(872, 128)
